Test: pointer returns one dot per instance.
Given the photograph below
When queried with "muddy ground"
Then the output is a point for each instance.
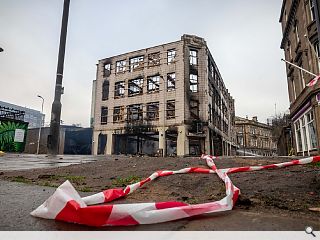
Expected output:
(291, 191)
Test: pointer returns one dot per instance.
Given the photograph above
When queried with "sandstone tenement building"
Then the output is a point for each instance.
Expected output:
(300, 26)
(254, 137)
(168, 99)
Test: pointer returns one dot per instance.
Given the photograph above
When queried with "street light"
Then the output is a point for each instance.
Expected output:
(40, 124)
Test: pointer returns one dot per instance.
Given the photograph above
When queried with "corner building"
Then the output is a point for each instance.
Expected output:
(165, 100)
(300, 26)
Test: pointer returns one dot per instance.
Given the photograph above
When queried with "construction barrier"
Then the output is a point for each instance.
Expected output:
(67, 205)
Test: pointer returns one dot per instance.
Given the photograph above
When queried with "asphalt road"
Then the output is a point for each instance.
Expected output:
(17, 200)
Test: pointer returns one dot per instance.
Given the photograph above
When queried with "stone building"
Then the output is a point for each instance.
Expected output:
(168, 99)
(254, 138)
(300, 42)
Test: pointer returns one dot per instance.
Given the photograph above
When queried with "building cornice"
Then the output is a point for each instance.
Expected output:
(290, 21)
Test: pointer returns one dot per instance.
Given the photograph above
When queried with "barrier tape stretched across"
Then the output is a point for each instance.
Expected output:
(66, 204)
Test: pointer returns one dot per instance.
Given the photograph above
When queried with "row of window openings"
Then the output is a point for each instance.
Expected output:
(138, 62)
(216, 98)
(135, 86)
(216, 120)
(254, 142)
(153, 60)
(135, 112)
(306, 137)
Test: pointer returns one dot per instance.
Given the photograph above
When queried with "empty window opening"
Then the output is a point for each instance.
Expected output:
(104, 115)
(154, 59)
(193, 57)
(194, 109)
(121, 66)
(171, 81)
(171, 106)
(118, 114)
(153, 83)
(119, 89)
(107, 69)
(135, 87)
(193, 83)
(105, 90)
(153, 111)
(136, 63)
(171, 56)
(134, 112)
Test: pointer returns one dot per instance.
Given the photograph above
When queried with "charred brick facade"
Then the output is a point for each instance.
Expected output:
(168, 99)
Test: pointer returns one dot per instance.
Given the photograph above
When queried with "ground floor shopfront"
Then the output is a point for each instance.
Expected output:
(172, 141)
(306, 127)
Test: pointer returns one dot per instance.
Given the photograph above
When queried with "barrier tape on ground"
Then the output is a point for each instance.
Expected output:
(67, 205)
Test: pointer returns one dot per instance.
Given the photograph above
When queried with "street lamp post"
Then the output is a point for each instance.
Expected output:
(39, 136)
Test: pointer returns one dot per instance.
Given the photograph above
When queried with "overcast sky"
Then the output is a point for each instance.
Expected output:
(243, 36)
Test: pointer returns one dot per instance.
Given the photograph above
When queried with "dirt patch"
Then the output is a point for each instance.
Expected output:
(292, 190)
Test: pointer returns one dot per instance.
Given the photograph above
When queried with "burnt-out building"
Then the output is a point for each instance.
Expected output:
(168, 99)
(300, 26)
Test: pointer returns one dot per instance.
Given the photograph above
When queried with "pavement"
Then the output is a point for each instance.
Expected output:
(31, 161)
(17, 200)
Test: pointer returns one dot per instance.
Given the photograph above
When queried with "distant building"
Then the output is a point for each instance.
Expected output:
(300, 22)
(168, 99)
(33, 117)
(254, 137)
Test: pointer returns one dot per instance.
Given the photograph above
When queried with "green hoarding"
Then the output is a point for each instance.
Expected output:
(12, 135)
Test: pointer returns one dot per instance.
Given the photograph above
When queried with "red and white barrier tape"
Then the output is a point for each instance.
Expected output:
(66, 204)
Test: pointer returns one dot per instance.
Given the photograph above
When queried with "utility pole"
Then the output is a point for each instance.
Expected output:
(53, 138)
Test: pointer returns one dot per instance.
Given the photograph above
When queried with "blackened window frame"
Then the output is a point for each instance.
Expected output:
(193, 58)
(152, 111)
(171, 56)
(193, 82)
(134, 112)
(153, 84)
(105, 90)
(136, 63)
(118, 114)
(104, 116)
(171, 82)
(154, 59)
(119, 89)
(171, 109)
(121, 66)
(133, 85)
